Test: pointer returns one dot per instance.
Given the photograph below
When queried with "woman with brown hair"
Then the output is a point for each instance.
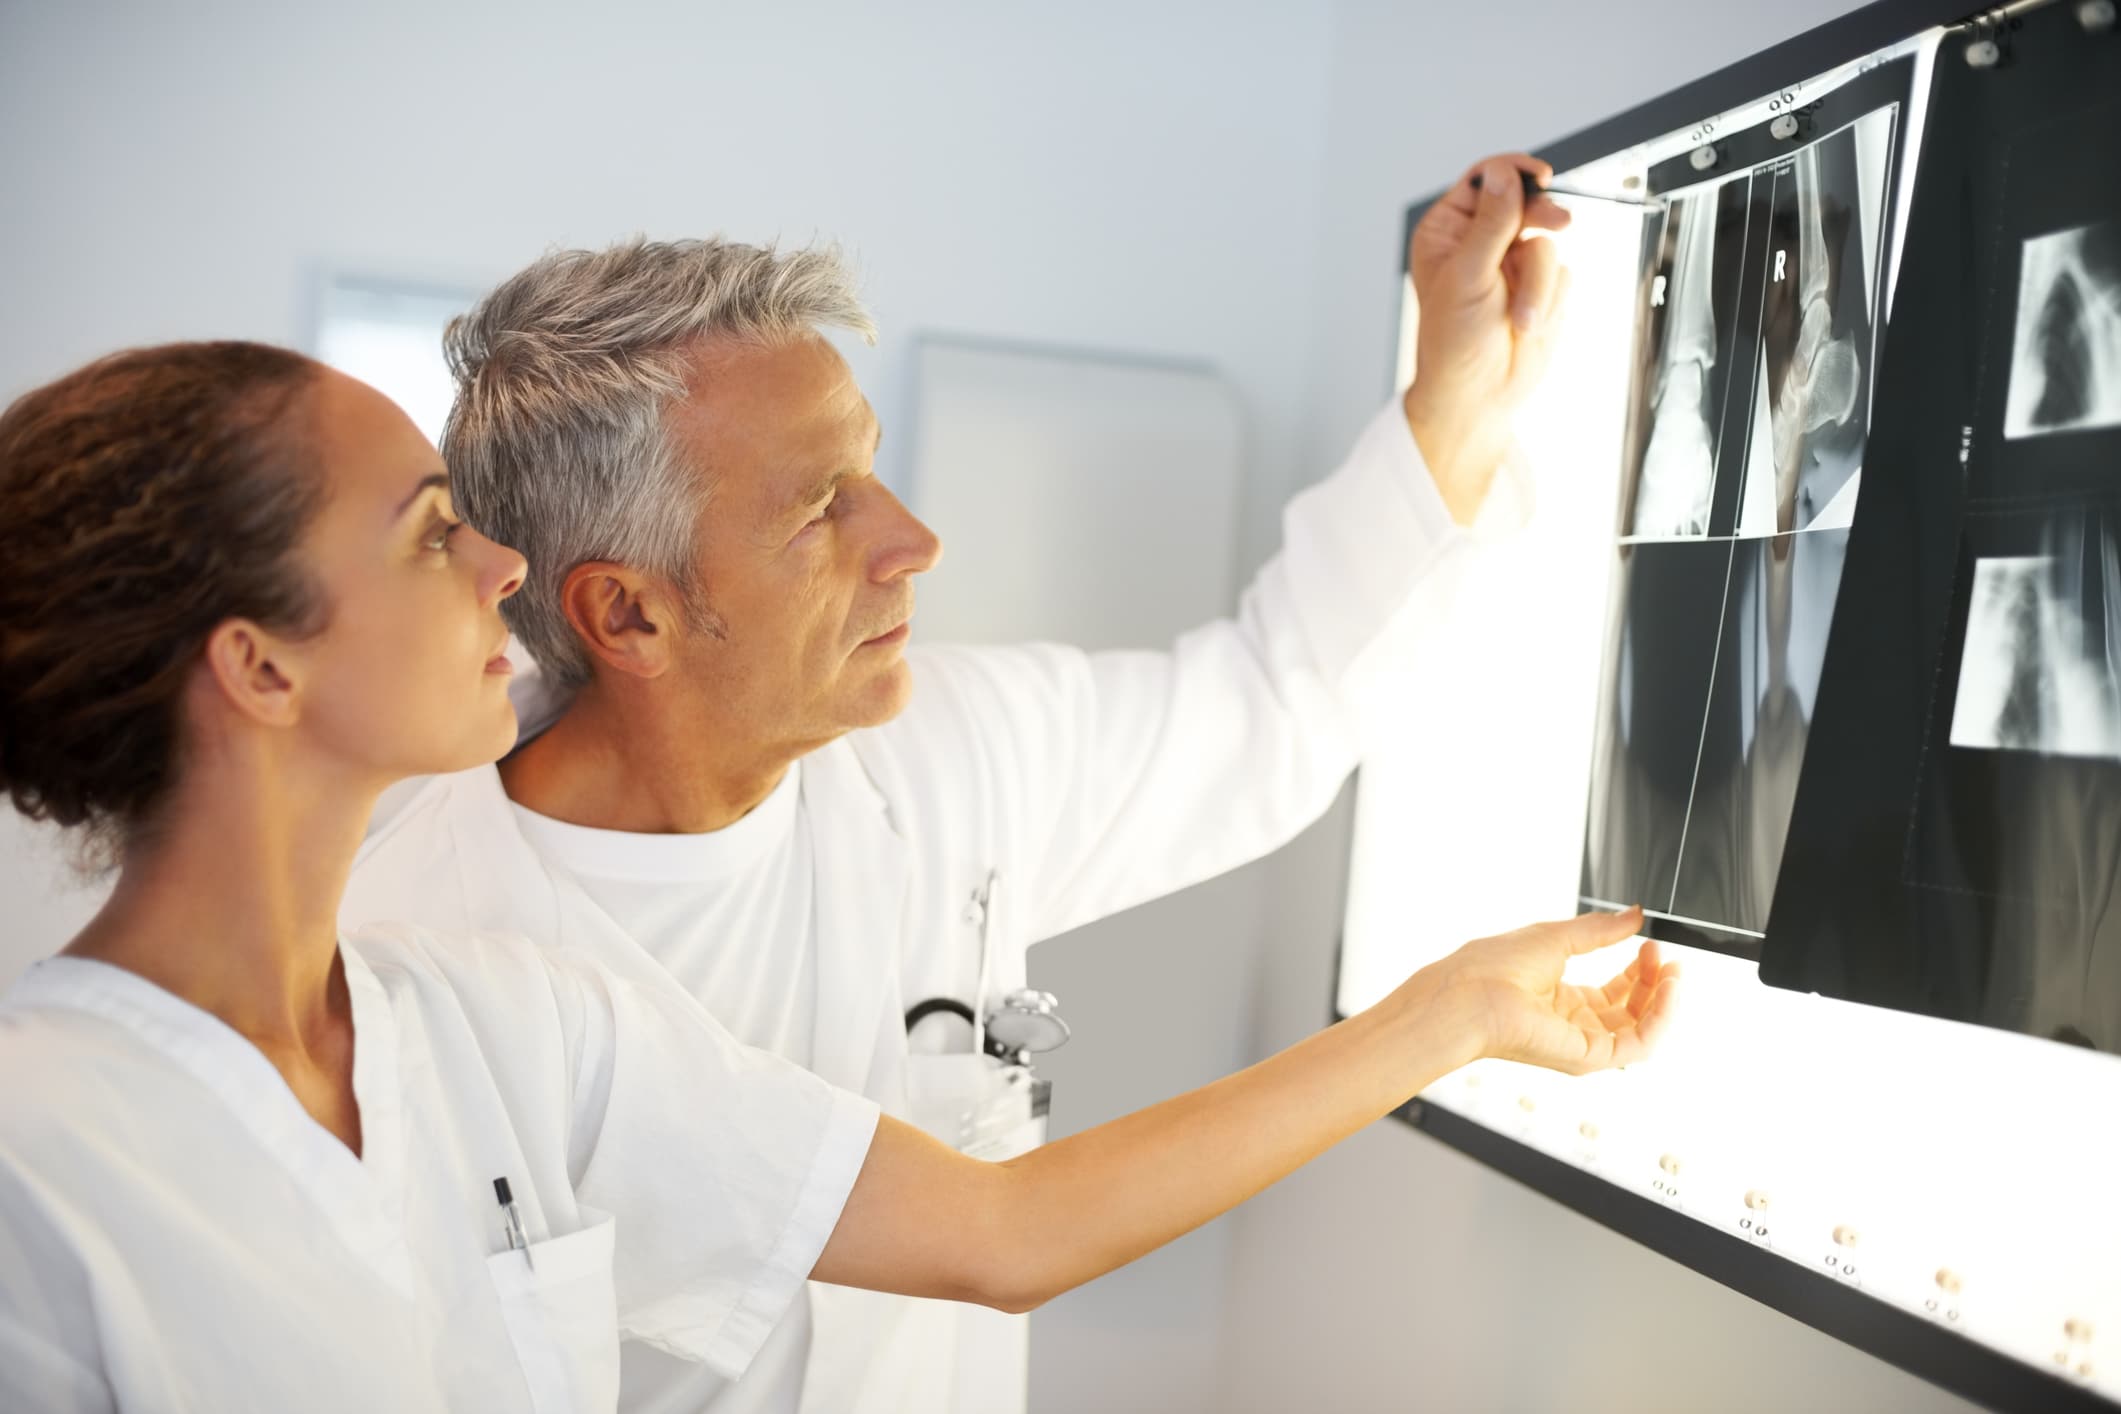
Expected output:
(248, 1162)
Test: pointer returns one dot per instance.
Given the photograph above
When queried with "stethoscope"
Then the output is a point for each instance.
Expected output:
(1027, 1022)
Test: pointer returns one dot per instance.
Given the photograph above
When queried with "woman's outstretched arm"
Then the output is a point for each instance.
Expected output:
(924, 1220)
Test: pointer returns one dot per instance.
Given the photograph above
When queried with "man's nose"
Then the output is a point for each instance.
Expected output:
(908, 546)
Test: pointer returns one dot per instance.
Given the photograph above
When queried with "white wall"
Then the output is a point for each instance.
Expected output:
(1394, 1273)
(1217, 180)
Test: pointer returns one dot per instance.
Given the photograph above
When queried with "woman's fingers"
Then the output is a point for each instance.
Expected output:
(1588, 932)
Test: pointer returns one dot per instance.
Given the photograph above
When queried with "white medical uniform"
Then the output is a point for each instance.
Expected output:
(177, 1233)
(1060, 785)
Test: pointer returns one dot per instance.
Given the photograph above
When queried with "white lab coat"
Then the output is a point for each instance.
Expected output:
(177, 1234)
(1081, 783)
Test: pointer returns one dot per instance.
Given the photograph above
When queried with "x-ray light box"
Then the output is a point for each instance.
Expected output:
(1701, 459)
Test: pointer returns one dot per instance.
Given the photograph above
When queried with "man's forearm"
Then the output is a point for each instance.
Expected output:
(1092, 1202)
(1464, 447)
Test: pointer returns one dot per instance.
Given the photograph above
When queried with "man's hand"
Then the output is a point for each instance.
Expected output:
(1508, 992)
(1489, 301)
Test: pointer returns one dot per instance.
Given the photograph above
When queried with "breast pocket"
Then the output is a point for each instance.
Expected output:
(562, 1313)
(977, 1105)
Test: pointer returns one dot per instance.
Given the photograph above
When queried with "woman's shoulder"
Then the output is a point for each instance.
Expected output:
(89, 1045)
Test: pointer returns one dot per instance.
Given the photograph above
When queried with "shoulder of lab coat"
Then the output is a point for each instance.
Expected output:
(49, 1351)
(720, 1217)
(453, 858)
(1099, 780)
(407, 869)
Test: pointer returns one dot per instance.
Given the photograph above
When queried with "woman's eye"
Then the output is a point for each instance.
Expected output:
(439, 538)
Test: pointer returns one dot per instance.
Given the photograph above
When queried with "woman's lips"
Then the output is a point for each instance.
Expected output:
(499, 664)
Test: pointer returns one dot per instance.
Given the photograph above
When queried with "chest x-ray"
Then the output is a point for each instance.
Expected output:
(2041, 670)
(2066, 358)
(1958, 849)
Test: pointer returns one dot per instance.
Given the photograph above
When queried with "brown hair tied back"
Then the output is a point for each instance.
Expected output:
(144, 499)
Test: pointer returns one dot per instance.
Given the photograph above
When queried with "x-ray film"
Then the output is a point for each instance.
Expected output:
(1955, 847)
(1757, 333)
(1818, 320)
(1671, 476)
(1846, 707)
(2041, 669)
(2066, 358)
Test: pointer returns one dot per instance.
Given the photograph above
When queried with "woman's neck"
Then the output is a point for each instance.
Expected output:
(231, 903)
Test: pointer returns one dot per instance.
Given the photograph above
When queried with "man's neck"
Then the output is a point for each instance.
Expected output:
(620, 762)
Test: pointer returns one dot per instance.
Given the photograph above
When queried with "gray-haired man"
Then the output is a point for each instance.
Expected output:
(755, 790)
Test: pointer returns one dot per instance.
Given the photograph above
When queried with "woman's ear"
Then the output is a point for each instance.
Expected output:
(621, 616)
(253, 673)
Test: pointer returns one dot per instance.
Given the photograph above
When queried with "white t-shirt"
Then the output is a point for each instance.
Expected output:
(177, 1233)
(732, 913)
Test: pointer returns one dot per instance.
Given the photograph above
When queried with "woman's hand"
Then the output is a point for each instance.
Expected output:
(928, 1221)
(1508, 991)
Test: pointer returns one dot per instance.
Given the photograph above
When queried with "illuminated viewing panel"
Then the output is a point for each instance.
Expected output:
(1645, 689)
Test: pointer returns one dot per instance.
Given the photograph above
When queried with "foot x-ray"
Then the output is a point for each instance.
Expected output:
(2041, 670)
(2066, 358)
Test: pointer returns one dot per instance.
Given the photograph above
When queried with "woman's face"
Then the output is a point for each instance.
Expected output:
(409, 677)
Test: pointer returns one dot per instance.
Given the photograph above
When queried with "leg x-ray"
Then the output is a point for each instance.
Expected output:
(1776, 613)
(2066, 358)
(1654, 694)
(1755, 352)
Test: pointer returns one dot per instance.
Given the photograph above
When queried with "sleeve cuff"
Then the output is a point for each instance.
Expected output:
(1503, 514)
(849, 1130)
(1392, 441)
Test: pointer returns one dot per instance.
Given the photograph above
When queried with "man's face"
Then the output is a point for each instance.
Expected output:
(805, 560)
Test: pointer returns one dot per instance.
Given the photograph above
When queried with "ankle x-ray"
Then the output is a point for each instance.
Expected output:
(2066, 358)
(1818, 319)
(1674, 479)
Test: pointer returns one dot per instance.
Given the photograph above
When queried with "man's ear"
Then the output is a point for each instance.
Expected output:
(623, 617)
(254, 673)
